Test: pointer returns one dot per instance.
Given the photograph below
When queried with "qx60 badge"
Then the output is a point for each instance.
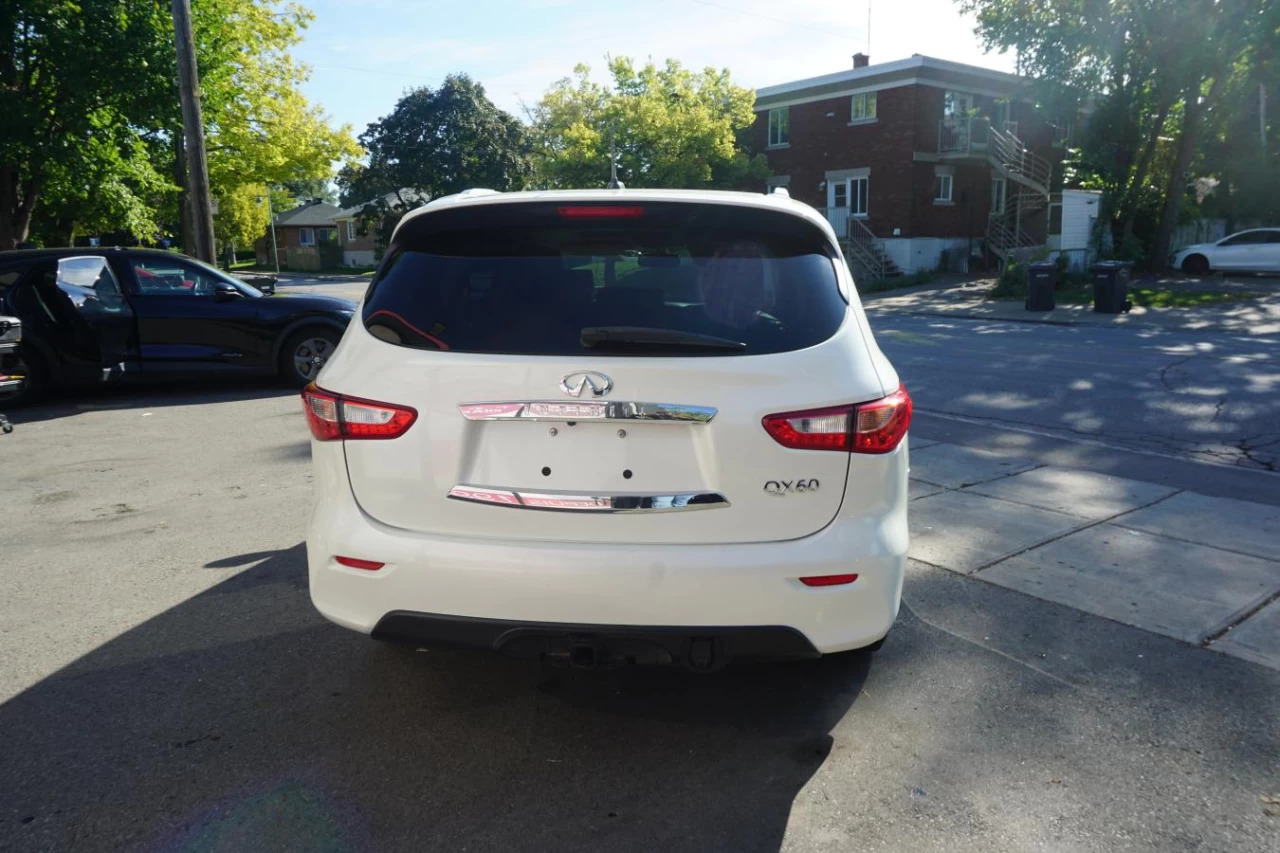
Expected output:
(574, 384)
(781, 488)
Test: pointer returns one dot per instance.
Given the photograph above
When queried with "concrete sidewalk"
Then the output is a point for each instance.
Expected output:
(968, 300)
(1203, 570)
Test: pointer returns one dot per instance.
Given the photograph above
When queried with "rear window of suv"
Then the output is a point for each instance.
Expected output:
(606, 279)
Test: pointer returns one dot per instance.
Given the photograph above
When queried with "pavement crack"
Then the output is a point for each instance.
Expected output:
(1164, 371)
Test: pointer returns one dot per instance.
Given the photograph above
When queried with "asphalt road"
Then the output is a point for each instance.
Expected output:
(1192, 395)
(166, 685)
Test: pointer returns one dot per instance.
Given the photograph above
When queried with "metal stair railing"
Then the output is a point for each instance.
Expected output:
(1011, 157)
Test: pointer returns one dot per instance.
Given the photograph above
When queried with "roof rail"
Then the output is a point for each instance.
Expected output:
(478, 191)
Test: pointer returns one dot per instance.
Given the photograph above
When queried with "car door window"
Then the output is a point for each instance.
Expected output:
(1248, 238)
(90, 283)
(163, 277)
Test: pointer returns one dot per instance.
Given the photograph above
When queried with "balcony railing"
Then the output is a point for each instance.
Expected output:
(963, 135)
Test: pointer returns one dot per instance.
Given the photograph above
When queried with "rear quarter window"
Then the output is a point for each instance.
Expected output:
(530, 278)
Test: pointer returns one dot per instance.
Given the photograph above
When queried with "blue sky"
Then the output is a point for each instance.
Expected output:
(366, 53)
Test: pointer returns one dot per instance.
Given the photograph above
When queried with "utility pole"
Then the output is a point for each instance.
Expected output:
(193, 127)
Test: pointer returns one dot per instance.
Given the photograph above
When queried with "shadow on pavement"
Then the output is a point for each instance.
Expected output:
(241, 720)
(68, 402)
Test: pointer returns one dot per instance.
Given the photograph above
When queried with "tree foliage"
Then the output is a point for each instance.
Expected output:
(75, 77)
(242, 214)
(671, 127)
(89, 110)
(1153, 73)
(435, 142)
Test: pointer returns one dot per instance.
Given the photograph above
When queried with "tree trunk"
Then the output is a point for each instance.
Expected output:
(1192, 118)
(1128, 200)
(186, 225)
(17, 203)
(64, 230)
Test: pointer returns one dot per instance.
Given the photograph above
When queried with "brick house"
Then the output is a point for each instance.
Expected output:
(306, 238)
(359, 239)
(913, 158)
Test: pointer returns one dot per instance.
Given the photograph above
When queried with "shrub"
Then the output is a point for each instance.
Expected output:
(1012, 283)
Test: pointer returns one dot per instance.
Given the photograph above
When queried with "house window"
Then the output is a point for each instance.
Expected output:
(997, 195)
(779, 126)
(351, 230)
(858, 196)
(306, 236)
(942, 188)
(864, 107)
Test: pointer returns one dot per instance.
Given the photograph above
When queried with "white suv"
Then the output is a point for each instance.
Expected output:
(611, 426)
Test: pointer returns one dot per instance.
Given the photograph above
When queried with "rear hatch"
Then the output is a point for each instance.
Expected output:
(599, 373)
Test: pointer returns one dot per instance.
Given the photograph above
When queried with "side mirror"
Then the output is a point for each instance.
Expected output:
(225, 293)
(267, 287)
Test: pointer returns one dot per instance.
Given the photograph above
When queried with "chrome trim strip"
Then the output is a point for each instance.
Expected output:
(588, 502)
(561, 411)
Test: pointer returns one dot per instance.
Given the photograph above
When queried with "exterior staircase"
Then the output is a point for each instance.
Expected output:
(1007, 239)
(1010, 158)
(868, 259)
(867, 256)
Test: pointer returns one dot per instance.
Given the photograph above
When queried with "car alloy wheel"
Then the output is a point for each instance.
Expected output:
(311, 355)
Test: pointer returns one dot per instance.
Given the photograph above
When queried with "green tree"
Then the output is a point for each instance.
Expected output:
(242, 215)
(435, 142)
(77, 79)
(670, 126)
(90, 120)
(1154, 69)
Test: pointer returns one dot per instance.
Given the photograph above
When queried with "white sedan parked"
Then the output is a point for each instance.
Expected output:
(1256, 250)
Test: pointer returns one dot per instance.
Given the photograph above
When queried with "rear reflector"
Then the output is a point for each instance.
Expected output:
(333, 417)
(829, 580)
(874, 427)
(600, 212)
(355, 563)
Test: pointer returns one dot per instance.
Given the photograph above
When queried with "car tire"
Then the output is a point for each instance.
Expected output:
(36, 384)
(876, 646)
(305, 353)
(1195, 265)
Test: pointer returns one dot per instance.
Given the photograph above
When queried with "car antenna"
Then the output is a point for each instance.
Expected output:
(614, 183)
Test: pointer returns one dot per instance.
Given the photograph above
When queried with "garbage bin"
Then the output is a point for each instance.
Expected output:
(1041, 279)
(1110, 287)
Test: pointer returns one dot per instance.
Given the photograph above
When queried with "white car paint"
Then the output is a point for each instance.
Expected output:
(1254, 250)
(737, 564)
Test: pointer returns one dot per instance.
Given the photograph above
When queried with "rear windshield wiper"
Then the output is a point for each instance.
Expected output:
(642, 336)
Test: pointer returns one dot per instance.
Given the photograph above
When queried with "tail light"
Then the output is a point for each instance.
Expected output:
(875, 427)
(333, 417)
(597, 211)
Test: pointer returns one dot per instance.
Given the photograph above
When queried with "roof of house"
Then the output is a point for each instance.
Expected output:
(311, 214)
(916, 69)
(411, 197)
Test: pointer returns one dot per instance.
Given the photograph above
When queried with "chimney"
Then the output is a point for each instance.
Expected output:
(861, 60)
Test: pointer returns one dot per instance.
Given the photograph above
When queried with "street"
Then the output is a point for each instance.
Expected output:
(168, 686)
(1192, 395)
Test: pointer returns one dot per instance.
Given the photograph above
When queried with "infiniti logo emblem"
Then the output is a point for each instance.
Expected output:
(574, 384)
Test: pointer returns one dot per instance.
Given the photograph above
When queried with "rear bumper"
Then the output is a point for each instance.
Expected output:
(699, 648)
(747, 595)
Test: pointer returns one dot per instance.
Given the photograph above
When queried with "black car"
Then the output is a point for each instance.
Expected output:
(105, 314)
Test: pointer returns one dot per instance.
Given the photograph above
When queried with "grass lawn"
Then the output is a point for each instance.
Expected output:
(878, 285)
(1150, 298)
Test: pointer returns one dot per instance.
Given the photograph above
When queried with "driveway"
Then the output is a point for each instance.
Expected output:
(166, 684)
